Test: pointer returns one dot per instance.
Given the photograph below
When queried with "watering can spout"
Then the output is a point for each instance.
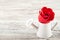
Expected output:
(51, 28)
(31, 23)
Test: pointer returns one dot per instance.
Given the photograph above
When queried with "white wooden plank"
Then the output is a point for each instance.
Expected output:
(15, 13)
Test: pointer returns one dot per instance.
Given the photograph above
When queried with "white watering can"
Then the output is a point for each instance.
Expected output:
(44, 30)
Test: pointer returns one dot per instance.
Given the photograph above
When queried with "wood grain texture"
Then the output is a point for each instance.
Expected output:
(13, 16)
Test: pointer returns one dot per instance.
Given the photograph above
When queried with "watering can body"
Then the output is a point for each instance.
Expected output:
(43, 30)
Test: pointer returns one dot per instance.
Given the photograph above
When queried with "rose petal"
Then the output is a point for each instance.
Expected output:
(46, 15)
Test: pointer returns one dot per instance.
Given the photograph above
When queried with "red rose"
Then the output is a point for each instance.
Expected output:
(46, 15)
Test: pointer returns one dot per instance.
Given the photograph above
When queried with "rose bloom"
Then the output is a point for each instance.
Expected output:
(46, 15)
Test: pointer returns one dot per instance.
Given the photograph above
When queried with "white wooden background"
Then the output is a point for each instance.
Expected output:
(13, 16)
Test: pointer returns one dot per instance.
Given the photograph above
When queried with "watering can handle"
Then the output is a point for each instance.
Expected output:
(30, 23)
(34, 26)
(51, 28)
